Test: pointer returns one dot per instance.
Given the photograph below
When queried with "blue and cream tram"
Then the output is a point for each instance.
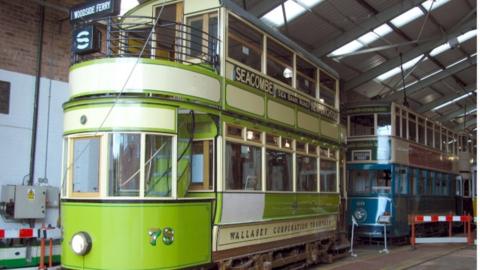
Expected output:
(398, 164)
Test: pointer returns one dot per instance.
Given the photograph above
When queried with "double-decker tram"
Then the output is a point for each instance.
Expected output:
(198, 137)
(398, 164)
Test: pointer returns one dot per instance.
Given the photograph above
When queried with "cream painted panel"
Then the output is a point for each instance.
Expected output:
(112, 77)
(281, 113)
(245, 100)
(196, 5)
(308, 122)
(121, 117)
(329, 130)
(242, 207)
(400, 151)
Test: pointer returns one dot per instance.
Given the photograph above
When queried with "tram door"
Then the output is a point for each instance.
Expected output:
(167, 31)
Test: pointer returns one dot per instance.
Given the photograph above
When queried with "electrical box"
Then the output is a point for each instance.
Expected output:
(24, 202)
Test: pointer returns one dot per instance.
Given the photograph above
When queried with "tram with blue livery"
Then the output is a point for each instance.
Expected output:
(399, 163)
(196, 136)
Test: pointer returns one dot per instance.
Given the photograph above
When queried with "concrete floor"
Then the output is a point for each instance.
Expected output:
(424, 257)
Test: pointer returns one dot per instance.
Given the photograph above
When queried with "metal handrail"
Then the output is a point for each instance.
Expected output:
(173, 41)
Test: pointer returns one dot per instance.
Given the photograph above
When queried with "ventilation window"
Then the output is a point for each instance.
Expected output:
(4, 97)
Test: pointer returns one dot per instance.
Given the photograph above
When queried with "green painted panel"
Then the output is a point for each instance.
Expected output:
(280, 205)
(120, 239)
(20, 263)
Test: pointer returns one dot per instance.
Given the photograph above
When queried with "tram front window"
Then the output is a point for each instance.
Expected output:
(383, 182)
(124, 164)
(158, 166)
(279, 170)
(85, 165)
(370, 181)
(361, 125)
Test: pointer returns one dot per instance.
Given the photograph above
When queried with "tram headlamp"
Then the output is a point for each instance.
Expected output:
(360, 214)
(81, 243)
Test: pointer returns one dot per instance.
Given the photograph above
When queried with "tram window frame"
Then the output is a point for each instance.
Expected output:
(398, 122)
(361, 130)
(365, 183)
(248, 34)
(421, 182)
(207, 149)
(229, 128)
(450, 142)
(71, 168)
(429, 134)
(404, 125)
(302, 67)
(402, 180)
(413, 174)
(244, 184)
(298, 179)
(324, 182)
(270, 183)
(281, 56)
(444, 140)
(421, 130)
(207, 46)
(146, 139)
(437, 139)
(412, 127)
(385, 120)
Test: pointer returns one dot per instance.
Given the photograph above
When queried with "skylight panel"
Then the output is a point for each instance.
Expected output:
(292, 10)
(468, 35)
(382, 30)
(397, 70)
(407, 17)
(347, 48)
(127, 5)
(436, 4)
(368, 37)
(452, 101)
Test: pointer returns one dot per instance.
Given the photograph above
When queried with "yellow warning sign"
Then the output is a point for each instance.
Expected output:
(31, 194)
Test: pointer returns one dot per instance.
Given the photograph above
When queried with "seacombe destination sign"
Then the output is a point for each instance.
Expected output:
(256, 81)
(94, 9)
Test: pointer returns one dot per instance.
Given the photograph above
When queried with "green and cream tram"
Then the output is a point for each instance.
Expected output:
(197, 136)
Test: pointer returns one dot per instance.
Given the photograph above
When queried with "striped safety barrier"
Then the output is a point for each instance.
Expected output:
(27, 233)
(419, 219)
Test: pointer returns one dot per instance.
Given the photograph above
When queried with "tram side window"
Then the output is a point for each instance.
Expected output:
(244, 43)
(202, 165)
(383, 182)
(279, 62)
(328, 175)
(306, 173)
(429, 134)
(361, 125)
(384, 126)
(398, 119)
(279, 170)
(401, 179)
(445, 181)
(412, 127)
(243, 167)
(411, 181)
(124, 164)
(438, 184)
(327, 88)
(421, 130)
(437, 137)
(404, 125)
(359, 181)
(85, 165)
(306, 77)
(158, 166)
(429, 183)
(421, 182)
(202, 34)
(444, 140)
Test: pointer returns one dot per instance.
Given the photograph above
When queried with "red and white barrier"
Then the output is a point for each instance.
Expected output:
(418, 219)
(27, 233)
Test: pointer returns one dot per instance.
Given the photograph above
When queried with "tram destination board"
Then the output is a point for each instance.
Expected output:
(94, 9)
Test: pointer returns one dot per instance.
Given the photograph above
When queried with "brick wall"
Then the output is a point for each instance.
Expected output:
(20, 22)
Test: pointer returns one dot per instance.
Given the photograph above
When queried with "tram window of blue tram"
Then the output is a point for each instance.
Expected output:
(244, 43)
(328, 175)
(401, 180)
(360, 181)
(243, 167)
(85, 165)
(124, 164)
(383, 182)
(384, 124)
(306, 173)
(412, 174)
(421, 182)
(158, 165)
(279, 170)
(361, 125)
(202, 165)
(279, 62)
(306, 77)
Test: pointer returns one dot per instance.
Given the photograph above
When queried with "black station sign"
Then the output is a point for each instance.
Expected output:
(86, 39)
(256, 81)
(94, 9)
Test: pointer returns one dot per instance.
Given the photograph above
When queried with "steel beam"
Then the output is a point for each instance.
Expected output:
(411, 54)
(263, 7)
(366, 26)
(437, 102)
(455, 114)
(433, 79)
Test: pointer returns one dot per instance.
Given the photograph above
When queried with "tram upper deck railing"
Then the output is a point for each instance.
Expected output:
(145, 37)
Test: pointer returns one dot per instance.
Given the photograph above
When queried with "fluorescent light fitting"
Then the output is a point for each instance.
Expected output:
(452, 101)
(407, 17)
(397, 70)
(468, 35)
(436, 4)
(292, 10)
(347, 48)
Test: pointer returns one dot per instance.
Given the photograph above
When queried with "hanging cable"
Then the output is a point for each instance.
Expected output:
(405, 101)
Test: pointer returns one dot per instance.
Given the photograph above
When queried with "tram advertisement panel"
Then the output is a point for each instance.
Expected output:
(421, 157)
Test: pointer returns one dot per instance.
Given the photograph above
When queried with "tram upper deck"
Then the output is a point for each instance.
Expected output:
(384, 133)
(213, 54)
